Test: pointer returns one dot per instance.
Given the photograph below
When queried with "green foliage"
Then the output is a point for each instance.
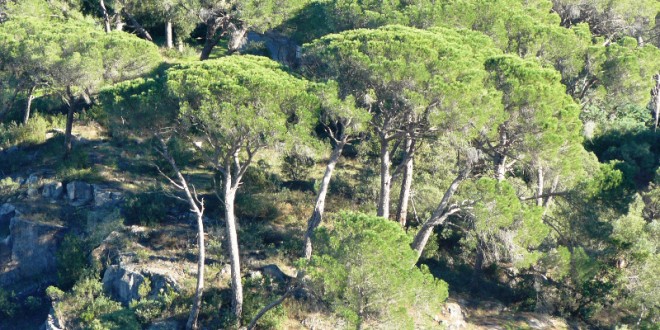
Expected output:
(86, 307)
(72, 260)
(364, 268)
(297, 165)
(147, 208)
(13, 134)
(259, 292)
(8, 304)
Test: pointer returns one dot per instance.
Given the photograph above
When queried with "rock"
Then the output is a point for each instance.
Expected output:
(79, 193)
(274, 272)
(7, 212)
(452, 317)
(164, 325)
(33, 246)
(122, 284)
(52, 322)
(255, 274)
(160, 283)
(32, 180)
(104, 197)
(53, 190)
(32, 192)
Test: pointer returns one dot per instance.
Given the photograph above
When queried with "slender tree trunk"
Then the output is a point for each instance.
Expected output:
(438, 217)
(500, 167)
(212, 38)
(540, 183)
(406, 184)
(236, 284)
(478, 266)
(169, 35)
(71, 102)
(385, 179)
(317, 216)
(106, 17)
(28, 106)
(656, 100)
(199, 289)
(197, 207)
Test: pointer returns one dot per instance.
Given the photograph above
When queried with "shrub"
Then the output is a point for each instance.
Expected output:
(8, 304)
(72, 260)
(147, 208)
(296, 166)
(364, 269)
(259, 293)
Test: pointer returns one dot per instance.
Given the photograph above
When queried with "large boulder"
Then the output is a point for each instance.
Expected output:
(7, 212)
(79, 193)
(53, 190)
(105, 197)
(122, 284)
(32, 251)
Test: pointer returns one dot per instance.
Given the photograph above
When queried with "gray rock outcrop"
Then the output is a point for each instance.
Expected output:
(79, 193)
(31, 247)
(122, 284)
(53, 190)
(105, 197)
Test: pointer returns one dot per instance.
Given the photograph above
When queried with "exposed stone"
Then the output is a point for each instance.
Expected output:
(160, 283)
(53, 190)
(33, 246)
(32, 192)
(52, 322)
(452, 317)
(122, 284)
(79, 193)
(7, 212)
(274, 272)
(104, 197)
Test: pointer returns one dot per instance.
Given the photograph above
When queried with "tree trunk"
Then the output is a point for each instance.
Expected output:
(197, 207)
(169, 35)
(179, 44)
(385, 179)
(106, 17)
(439, 216)
(478, 266)
(317, 216)
(199, 290)
(28, 106)
(71, 103)
(141, 31)
(500, 167)
(212, 38)
(539, 189)
(232, 236)
(656, 100)
(406, 184)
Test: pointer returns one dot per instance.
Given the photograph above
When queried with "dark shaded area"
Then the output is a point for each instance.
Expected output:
(637, 154)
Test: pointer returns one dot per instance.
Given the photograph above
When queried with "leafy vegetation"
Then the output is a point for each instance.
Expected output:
(498, 149)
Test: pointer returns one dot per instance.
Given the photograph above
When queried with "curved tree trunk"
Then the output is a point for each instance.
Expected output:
(141, 31)
(169, 41)
(212, 38)
(406, 184)
(232, 236)
(385, 179)
(28, 106)
(317, 216)
(439, 216)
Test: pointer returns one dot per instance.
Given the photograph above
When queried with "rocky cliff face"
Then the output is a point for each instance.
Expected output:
(29, 251)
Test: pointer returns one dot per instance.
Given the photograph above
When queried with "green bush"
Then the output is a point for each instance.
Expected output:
(86, 307)
(259, 293)
(364, 270)
(72, 260)
(8, 304)
(147, 208)
(296, 166)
